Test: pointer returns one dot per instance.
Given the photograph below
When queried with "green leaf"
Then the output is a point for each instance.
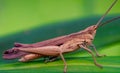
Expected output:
(31, 21)
(75, 64)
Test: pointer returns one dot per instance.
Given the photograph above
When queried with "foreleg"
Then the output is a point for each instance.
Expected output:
(97, 54)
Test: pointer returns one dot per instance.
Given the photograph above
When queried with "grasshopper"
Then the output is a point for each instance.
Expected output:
(58, 46)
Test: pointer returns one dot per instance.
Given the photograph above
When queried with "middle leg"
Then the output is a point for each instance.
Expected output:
(65, 64)
(87, 49)
(50, 59)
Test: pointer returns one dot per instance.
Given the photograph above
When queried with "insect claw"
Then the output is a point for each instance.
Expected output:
(51, 60)
(46, 61)
(100, 55)
(98, 65)
(65, 70)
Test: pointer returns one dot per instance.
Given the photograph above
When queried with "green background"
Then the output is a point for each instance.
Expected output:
(30, 21)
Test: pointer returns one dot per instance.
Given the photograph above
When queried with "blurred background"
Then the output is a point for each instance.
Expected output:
(31, 21)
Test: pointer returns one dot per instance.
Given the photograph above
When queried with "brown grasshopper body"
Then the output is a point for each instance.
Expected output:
(83, 40)
(83, 36)
(59, 46)
(9, 54)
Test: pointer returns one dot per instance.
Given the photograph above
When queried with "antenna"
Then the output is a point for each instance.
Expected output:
(99, 22)
(108, 21)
